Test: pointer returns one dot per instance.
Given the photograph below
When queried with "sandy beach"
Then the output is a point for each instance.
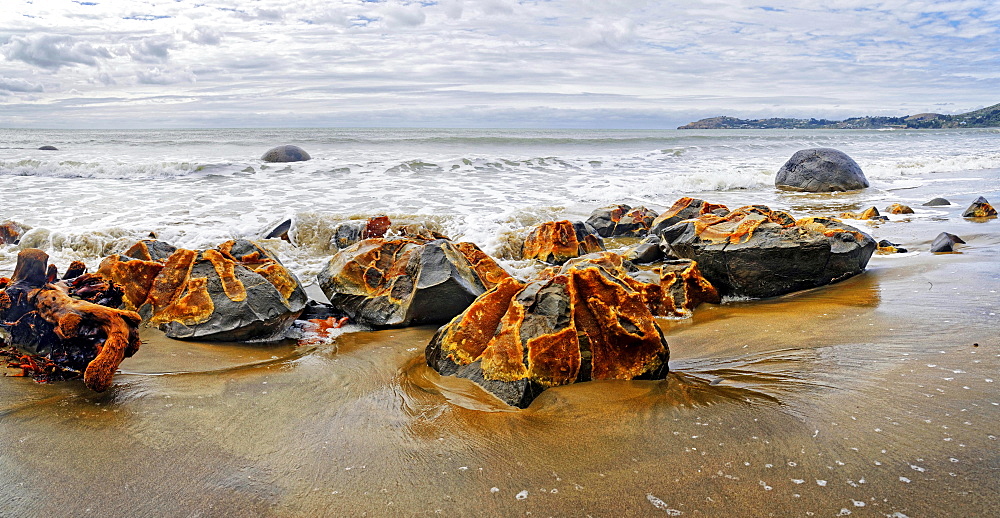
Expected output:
(873, 396)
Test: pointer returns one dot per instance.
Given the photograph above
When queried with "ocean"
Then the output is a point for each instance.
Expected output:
(874, 396)
(102, 190)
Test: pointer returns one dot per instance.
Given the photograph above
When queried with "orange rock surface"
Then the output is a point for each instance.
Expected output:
(558, 241)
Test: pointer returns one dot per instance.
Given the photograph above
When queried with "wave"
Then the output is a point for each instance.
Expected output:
(111, 169)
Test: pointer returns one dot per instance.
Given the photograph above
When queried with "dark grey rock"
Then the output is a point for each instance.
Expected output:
(648, 251)
(945, 242)
(285, 154)
(621, 220)
(48, 148)
(263, 315)
(937, 202)
(436, 283)
(980, 208)
(277, 230)
(775, 260)
(347, 233)
(820, 170)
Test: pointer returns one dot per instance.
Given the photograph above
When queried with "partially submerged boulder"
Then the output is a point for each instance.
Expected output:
(757, 252)
(685, 208)
(350, 232)
(980, 209)
(235, 292)
(48, 148)
(10, 232)
(285, 154)
(898, 208)
(945, 242)
(56, 324)
(585, 323)
(871, 213)
(402, 282)
(937, 202)
(646, 251)
(621, 220)
(820, 170)
(558, 241)
(886, 247)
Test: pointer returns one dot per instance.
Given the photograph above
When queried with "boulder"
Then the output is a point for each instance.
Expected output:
(235, 292)
(757, 252)
(558, 241)
(820, 170)
(682, 287)
(585, 323)
(937, 202)
(898, 208)
(886, 247)
(945, 242)
(48, 148)
(402, 282)
(980, 209)
(285, 154)
(621, 220)
(10, 232)
(682, 209)
(350, 232)
(871, 213)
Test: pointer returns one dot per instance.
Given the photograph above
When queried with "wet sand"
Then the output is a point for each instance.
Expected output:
(867, 397)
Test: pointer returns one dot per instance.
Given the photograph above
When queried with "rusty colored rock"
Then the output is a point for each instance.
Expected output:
(886, 247)
(558, 241)
(898, 208)
(51, 321)
(980, 209)
(403, 282)
(621, 220)
(757, 252)
(489, 272)
(870, 213)
(10, 232)
(683, 209)
(376, 227)
(683, 288)
(585, 323)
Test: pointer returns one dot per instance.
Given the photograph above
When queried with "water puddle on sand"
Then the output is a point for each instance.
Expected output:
(866, 397)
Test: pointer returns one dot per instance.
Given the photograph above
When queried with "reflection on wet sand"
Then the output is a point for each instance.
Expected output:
(873, 396)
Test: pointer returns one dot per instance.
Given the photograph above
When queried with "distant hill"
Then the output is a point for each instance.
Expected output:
(985, 118)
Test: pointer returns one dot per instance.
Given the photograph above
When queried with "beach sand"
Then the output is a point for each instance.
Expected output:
(878, 395)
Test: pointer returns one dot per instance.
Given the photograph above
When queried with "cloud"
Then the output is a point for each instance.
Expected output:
(404, 15)
(158, 76)
(53, 51)
(153, 49)
(19, 85)
(203, 35)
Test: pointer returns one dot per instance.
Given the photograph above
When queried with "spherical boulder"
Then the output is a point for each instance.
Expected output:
(285, 154)
(48, 148)
(820, 170)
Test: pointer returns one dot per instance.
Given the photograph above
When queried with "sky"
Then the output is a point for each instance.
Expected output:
(488, 63)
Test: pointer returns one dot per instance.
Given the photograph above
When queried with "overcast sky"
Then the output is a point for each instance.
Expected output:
(487, 63)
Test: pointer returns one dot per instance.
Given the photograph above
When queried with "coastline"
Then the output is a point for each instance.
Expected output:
(866, 395)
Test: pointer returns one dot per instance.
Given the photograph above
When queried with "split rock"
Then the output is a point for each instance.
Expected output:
(235, 292)
(757, 252)
(402, 282)
(583, 324)
(820, 170)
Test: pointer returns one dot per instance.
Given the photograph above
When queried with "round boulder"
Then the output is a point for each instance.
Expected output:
(285, 154)
(48, 148)
(820, 170)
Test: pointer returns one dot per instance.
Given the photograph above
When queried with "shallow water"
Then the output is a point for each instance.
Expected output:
(868, 397)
